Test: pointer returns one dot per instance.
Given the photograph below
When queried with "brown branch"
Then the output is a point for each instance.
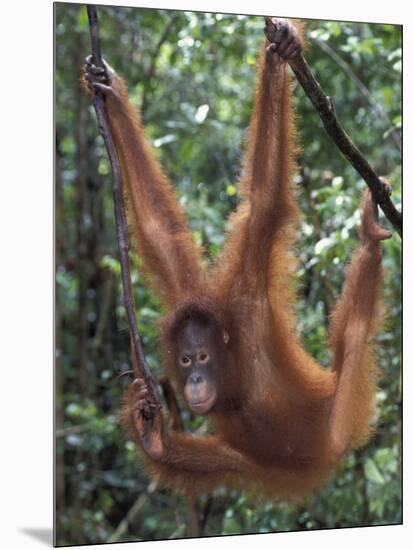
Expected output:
(140, 366)
(325, 109)
(133, 513)
(380, 111)
(205, 513)
(78, 429)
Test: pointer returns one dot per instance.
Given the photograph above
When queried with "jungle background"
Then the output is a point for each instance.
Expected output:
(193, 76)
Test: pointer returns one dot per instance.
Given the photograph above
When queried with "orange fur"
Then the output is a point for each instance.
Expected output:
(286, 421)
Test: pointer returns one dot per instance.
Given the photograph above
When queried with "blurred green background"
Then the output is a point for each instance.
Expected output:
(193, 75)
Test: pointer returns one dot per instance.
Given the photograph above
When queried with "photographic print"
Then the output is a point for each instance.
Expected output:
(228, 274)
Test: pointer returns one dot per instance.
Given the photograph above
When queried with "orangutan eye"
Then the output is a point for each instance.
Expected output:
(185, 361)
(203, 357)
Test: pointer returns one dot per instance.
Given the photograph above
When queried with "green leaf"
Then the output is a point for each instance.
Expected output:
(323, 245)
(231, 190)
(372, 473)
(110, 263)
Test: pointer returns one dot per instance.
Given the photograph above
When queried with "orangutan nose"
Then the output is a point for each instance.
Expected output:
(195, 379)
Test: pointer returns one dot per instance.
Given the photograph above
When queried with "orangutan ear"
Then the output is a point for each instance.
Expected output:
(225, 336)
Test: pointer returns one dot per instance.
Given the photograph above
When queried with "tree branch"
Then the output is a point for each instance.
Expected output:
(377, 107)
(325, 109)
(132, 514)
(139, 363)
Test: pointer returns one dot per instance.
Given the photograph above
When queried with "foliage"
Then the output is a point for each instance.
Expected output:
(196, 87)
